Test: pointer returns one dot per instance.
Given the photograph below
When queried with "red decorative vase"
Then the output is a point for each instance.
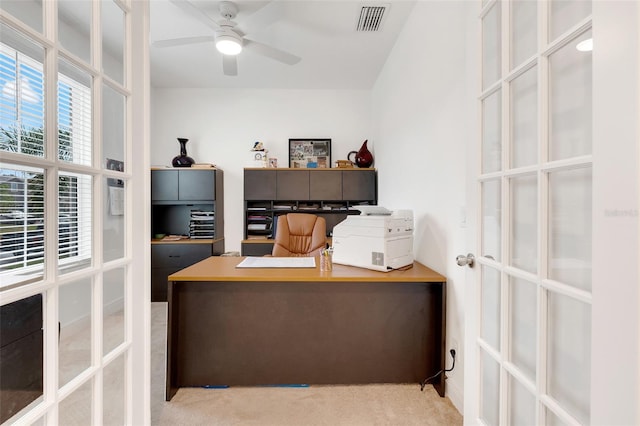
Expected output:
(364, 158)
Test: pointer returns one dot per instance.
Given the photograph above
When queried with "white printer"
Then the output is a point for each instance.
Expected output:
(377, 239)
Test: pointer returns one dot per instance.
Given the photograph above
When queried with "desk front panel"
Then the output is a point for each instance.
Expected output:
(266, 333)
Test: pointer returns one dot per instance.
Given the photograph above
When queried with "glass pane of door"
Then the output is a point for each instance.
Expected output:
(491, 133)
(564, 14)
(74, 27)
(22, 114)
(490, 309)
(552, 419)
(113, 129)
(523, 325)
(75, 203)
(490, 390)
(74, 114)
(491, 219)
(524, 30)
(74, 347)
(114, 391)
(570, 101)
(570, 227)
(524, 119)
(491, 46)
(27, 11)
(21, 224)
(569, 354)
(114, 220)
(522, 404)
(524, 223)
(76, 408)
(113, 300)
(113, 40)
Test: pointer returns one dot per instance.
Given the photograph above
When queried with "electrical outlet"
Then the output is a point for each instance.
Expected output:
(455, 347)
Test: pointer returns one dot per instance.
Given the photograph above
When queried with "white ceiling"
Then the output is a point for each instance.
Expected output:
(321, 32)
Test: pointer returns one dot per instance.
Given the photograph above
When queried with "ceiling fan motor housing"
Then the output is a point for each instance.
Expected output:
(228, 9)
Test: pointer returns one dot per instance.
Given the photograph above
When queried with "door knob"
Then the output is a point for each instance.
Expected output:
(467, 260)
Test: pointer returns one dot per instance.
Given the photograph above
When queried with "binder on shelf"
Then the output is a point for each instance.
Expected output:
(201, 224)
(283, 207)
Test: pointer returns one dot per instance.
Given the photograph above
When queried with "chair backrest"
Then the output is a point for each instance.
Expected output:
(299, 234)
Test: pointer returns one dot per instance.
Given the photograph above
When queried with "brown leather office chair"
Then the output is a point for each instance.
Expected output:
(299, 234)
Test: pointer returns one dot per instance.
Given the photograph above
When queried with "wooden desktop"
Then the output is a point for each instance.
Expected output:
(231, 326)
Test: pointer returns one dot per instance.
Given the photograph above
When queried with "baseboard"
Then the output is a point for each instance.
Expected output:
(113, 306)
(456, 394)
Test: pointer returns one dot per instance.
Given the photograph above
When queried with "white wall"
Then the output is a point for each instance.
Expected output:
(423, 109)
(223, 124)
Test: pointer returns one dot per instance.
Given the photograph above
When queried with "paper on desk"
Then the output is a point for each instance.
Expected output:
(277, 262)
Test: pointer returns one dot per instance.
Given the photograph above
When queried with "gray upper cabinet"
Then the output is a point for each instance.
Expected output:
(259, 184)
(183, 185)
(196, 185)
(292, 185)
(359, 185)
(329, 193)
(326, 185)
(164, 185)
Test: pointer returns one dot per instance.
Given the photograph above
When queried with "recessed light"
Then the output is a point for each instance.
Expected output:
(585, 45)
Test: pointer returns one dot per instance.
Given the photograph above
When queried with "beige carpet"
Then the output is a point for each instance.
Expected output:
(316, 405)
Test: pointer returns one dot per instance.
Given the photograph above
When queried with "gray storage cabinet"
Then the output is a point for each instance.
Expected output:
(175, 195)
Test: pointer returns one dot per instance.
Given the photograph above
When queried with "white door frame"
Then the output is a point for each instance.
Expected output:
(139, 395)
(615, 369)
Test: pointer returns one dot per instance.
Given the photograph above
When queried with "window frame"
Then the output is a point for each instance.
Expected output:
(19, 272)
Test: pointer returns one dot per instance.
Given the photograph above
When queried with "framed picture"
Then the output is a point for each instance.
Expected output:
(117, 166)
(310, 153)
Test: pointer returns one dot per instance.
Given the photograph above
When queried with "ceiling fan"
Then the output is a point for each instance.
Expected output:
(229, 39)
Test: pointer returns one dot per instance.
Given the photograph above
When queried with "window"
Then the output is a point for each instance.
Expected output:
(21, 219)
(22, 189)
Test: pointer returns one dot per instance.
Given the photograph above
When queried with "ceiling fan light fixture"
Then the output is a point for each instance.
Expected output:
(228, 43)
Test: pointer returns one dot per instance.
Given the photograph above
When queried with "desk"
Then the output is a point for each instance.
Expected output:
(248, 327)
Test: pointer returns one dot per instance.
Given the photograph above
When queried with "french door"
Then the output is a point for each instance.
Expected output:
(530, 318)
(74, 85)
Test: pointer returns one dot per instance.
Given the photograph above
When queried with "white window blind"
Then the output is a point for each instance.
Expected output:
(21, 103)
(74, 218)
(21, 219)
(74, 114)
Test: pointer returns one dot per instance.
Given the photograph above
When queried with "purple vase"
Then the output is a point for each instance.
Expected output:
(182, 160)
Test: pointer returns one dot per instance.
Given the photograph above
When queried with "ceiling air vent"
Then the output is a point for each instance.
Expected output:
(371, 17)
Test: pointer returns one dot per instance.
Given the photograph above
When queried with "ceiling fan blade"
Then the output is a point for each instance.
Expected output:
(230, 65)
(183, 41)
(196, 13)
(271, 52)
(262, 18)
